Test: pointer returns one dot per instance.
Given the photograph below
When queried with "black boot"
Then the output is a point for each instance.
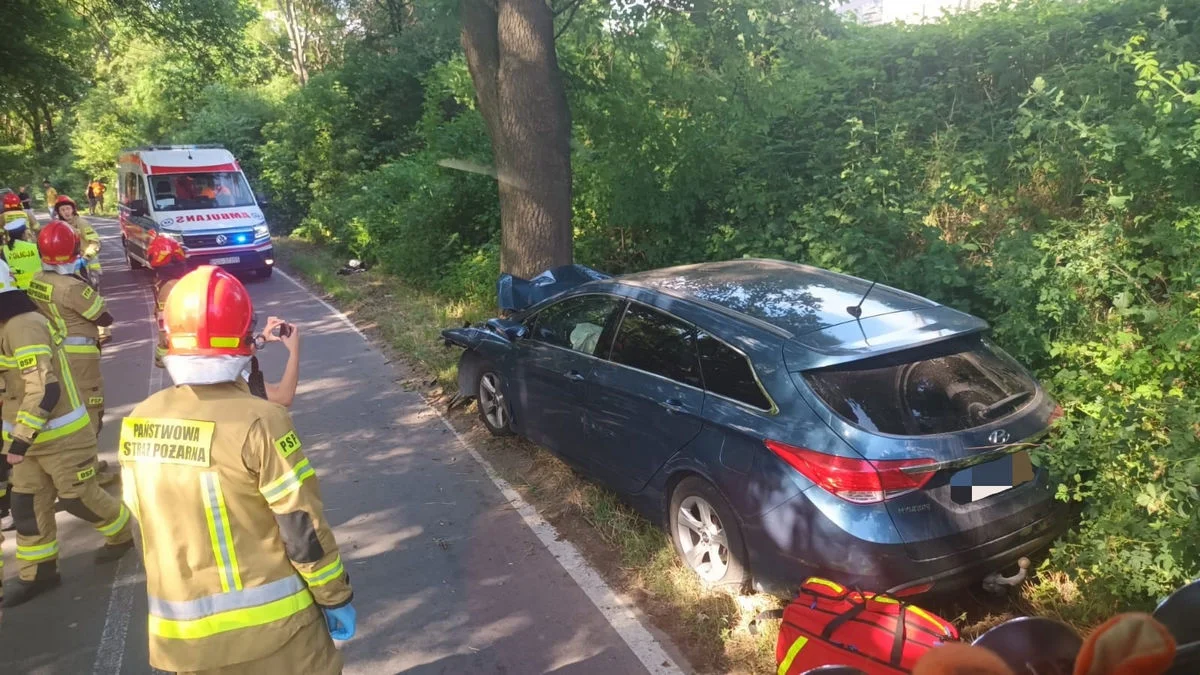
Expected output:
(20, 592)
(110, 552)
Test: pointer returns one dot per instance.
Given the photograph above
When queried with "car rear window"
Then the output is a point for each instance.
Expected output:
(657, 343)
(728, 373)
(950, 386)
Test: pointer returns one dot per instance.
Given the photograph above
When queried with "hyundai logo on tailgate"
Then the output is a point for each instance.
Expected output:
(999, 437)
(222, 240)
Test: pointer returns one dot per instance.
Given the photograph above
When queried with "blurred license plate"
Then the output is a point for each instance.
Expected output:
(231, 260)
(991, 478)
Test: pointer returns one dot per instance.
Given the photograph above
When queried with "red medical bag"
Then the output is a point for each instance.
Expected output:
(827, 624)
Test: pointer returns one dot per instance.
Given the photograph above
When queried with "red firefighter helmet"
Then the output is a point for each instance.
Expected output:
(163, 251)
(209, 313)
(58, 243)
(63, 199)
(12, 202)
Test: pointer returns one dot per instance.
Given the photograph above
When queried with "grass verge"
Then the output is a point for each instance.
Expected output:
(709, 628)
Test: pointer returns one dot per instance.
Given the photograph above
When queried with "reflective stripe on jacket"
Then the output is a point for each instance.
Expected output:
(30, 359)
(245, 556)
(72, 306)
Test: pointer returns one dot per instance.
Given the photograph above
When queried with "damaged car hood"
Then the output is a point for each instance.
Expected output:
(515, 293)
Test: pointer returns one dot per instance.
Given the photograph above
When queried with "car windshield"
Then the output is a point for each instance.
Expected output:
(193, 191)
(950, 386)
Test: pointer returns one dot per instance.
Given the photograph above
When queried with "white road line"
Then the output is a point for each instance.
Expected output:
(618, 610)
(129, 577)
(128, 581)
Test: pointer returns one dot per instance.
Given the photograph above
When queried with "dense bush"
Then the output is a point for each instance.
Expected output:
(1033, 163)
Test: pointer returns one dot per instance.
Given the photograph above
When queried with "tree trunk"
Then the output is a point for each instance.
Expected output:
(297, 39)
(510, 52)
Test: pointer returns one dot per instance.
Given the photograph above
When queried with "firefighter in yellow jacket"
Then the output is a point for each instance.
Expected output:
(75, 309)
(242, 570)
(50, 446)
(169, 262)
(66, 211)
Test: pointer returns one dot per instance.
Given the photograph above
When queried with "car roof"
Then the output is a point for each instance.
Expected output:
(798, 299)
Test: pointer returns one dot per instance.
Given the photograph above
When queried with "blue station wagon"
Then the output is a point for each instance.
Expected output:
(779, 420)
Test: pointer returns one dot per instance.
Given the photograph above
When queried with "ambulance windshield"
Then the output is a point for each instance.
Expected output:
(192, 191)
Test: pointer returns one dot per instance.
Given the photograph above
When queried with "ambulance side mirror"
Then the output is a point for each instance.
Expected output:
(137, 208)
(261, 199)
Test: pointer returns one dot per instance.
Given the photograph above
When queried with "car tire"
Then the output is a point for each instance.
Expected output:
(133, 264)
(708, 539)
(492, 404)
(264, 272)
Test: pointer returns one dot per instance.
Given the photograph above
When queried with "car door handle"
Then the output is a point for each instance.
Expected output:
(673, 405)
(574, 375)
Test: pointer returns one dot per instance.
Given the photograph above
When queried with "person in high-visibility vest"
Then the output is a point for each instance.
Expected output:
(51, 201)
(245, 575)
(21, 255)
(75, 309)
(51, 447)
(66, 211)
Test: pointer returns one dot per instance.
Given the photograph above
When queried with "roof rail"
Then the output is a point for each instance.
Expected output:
(198, 146)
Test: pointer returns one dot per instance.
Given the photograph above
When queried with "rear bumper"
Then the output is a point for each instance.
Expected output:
(780, 565)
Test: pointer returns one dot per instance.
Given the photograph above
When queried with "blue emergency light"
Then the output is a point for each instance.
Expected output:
(241, 238)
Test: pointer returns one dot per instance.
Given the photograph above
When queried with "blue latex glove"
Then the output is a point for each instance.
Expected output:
(341, 622)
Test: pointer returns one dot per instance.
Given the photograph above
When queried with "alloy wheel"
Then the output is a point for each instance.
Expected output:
(702, 537)
(491, 401)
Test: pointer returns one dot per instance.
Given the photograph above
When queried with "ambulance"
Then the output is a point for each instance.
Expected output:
(198, 196)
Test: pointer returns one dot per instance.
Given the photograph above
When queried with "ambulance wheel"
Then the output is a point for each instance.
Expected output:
(493, 406)
(264, 272)
(707, 536)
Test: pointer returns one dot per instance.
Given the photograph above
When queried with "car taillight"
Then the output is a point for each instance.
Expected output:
(855, 480)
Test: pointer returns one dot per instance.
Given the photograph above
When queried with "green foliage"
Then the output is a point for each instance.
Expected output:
(1036, 162)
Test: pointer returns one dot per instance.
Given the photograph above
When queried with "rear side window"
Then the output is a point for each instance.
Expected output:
(728, 373)
(575, 323)
(131, 189)
(951, 386)
(657, 343)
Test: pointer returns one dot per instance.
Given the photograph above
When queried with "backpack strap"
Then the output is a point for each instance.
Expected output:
(898, 638)
(841, 619)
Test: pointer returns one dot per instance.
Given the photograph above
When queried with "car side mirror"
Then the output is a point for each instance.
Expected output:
(517, 332)
(261, 199)
(137, 208)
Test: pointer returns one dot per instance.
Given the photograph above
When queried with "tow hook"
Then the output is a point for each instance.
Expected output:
(997, 584)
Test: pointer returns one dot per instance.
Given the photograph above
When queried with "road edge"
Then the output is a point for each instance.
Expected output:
(618, 610)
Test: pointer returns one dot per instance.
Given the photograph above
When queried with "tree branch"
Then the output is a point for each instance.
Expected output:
(572, 5)
(570, 17)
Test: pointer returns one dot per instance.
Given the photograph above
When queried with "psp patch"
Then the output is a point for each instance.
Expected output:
(288, 445)
(167, 441)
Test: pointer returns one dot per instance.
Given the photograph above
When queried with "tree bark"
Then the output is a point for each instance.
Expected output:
(297, 40)
(509, 45)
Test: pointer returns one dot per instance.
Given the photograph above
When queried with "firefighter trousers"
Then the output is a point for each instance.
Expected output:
(68, 476)
(85, 368)
(310, 651)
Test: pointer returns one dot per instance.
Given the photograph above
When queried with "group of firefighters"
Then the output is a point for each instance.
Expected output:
(243, 572)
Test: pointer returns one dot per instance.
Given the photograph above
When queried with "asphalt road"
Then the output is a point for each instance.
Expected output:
(452, 573)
